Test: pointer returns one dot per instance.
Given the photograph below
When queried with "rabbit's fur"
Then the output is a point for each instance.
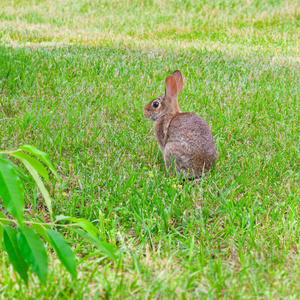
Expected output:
(184, 139)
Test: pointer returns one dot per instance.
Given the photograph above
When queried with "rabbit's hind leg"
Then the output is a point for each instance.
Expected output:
(177, 161)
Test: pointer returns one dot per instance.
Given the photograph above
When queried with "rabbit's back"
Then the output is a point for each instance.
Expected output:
(190, 143)
(193, 132)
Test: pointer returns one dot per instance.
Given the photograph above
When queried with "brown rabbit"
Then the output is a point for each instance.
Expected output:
(184, 139)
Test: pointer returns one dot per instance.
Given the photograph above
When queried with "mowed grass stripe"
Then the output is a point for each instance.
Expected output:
(271, 27)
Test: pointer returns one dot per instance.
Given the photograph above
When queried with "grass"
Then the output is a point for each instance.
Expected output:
(74, 77)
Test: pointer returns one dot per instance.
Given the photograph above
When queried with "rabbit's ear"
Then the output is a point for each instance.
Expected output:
(178, 77)
(171, 87)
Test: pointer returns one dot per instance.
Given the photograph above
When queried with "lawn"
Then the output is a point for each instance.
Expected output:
(74, 78)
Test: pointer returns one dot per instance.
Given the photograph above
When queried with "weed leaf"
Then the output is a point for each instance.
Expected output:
(83, 223)
(34, 252)
(105, 247)
(44, 157)
(40, 169)
(40, 184)
(3, 216)
(63, 251)
(39, 229)
(11, 191)
(18, 171)
(13, 251)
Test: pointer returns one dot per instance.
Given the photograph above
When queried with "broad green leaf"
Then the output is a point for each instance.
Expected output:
(89, 227)
(13, 251)
(41, 170)
(11, 191)
(41, 231)
(105, 247)
(44, 157)
(83, 223)
(34, 253)
(62, 217)
(40, 184)
(63, 251)
(90, 234)
(1, 233)
(18, 171)
(39, 226)
(5, 220)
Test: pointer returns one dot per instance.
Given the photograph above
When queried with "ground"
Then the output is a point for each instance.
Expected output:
(74, 78)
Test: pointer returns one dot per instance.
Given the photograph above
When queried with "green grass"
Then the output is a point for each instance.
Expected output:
(74, 77)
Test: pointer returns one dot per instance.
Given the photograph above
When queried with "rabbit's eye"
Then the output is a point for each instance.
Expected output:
(155, 104)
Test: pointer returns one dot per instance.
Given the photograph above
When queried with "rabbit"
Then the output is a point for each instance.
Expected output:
(184, 139)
